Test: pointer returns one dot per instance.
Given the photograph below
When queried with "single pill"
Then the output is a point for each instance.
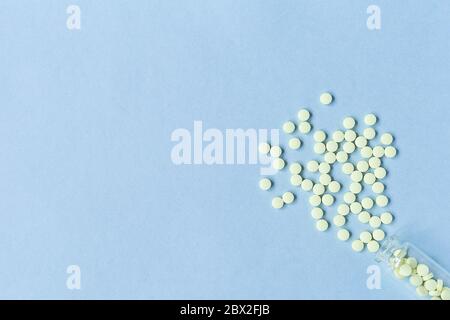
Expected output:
(390, 152)
(421, 291)
(317, 213)
(348, 147)
(375, 222)
(356, 176)
(364, 217)
(349, 197)
(288, 197)
(369, 178)
(315, 200)
(341, 156)
(327, 200)
(347, 168)
(326, 98)
(295, 168)
(412, 262)
(277, 203)
(307, 185)
(319, 189)
(374, 162)
(343, 235)
(319, 147)
(304, 127)
(380, 172)
(362, 166)
(265, 184)
(296, 180)
(366, 152)
(382, 201)
(330, 157)
(370, 119)
(416, 280)
(378, 234)
(378, 187)
(428, 276)
(339, 220)
(367, 203)
(288, 127)
(445, 294)
(361, 142)
(349, 123)
(334, 187)
(430, 285)
(440, 285)
(325, 179)
(324, 167)
(365, 236)
(373, 246)
(320, 136)
(405, 270)
(322, 225)
(303, 115)
(369, 133)
(338, 136)
(422, 269)
(386, 139)
(355, 207)
(295, 143)
(264, 148)
(378, 151)
(332, 146)
(312, 166)
(358, 245)
(350, 135)
(343, 209)
(278, 163)
(276, 151)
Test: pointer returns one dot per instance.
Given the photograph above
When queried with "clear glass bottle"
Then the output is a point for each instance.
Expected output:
(420, 273)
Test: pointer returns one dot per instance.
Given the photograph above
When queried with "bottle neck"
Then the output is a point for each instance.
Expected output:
(392, 251)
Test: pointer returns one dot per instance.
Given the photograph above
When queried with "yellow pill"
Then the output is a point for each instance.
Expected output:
(265, 184)
(288, 127)
(288, 197)
(326, 98)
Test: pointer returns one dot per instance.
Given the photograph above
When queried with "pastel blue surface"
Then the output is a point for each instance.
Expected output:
(86, 116)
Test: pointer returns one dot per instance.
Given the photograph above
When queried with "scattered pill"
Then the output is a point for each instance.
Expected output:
(278, 163)
(317, 213)
(375, 222)
(264, 148)
(369, 178)
(338, 136)
(295, 168)
(265, 184)
(315, 200)
(349, 147)
(373, 246)
(325, 179)
(347, 168)
(276, 151)
(339, 220)
(370, 119)
(326, 98)
(369, 133)
(380, 173)
(330, 157)
(327, 200)
(296, 180)
(349, 197)
(374, 162)
(367, 203)
(320, 136)
(386, 218)
(382, 201)
(350, 135)
(319, 148)
(416, 280)
(288, 197)
(343, 209)
(378, 187)
(405, 270)
(295, 143)
(319, 189)
(356, 176)
(358, 245)
(355, 207)
(365, 236)
(366, 152)
(386, 139)
(277, 203)
(364, 217)
(303, 115)
(343, 234)
(390, 152)
(361, 142)
(322, 225)
(378, 234)
(312, 166)
(332, 146)
(349, 123)
(307, 185)
(378, 151)
(341, 156)
(412, 262)
(288, 127)
(430, 285)
(422, 269)
(324, 167)
(334, 187)
(362, 166)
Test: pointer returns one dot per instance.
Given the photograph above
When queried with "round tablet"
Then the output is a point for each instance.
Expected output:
(361, 142)
(276, 151)
(348, 147)
(317, 213)
(325, 179)
(421, 291)
(358, 245)
(349, 197)
(349, 123)
(356, 176)
(304, 127)
(295, 143)
(332, 146)
(367, 203)
(445, 294)
(303, 115)
(422, 269)
(428, 276)
(312, 166)
(326, 98)
(412, 262)
(341, 156)
(327, 200)
(378, 187)
(380, 172)
(365, 236)
(362, 166)
(334, 187)
(355, 207)
(324, 167)
(296, 180)
(386, 139)
(369, 178)
(382, 201)
(370, 119)
(343, 234)
(330, 157)
(343, 209)
(374, 162)
(364, 217)
(378, 151)
(430, 285)
(288, 127)
(288, 197)
(295, 168)
(373, 246)
(307, 185)
(278, 163)
(265, 184)
(369, 133)
(320, 136)
(347, 168)
(264, 148)
(319, 147)
(350, 135)
(405, 270)
(315, 200)
(277, 203)
(375, 222)
(416, 280)
(390, 152)
(339, 220)
(322, 225)
(338, 136)
(319, 189)
(355, 187)
(378, 234)
(366, 152)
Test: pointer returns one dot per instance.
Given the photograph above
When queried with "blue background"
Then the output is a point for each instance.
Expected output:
(85, 121)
